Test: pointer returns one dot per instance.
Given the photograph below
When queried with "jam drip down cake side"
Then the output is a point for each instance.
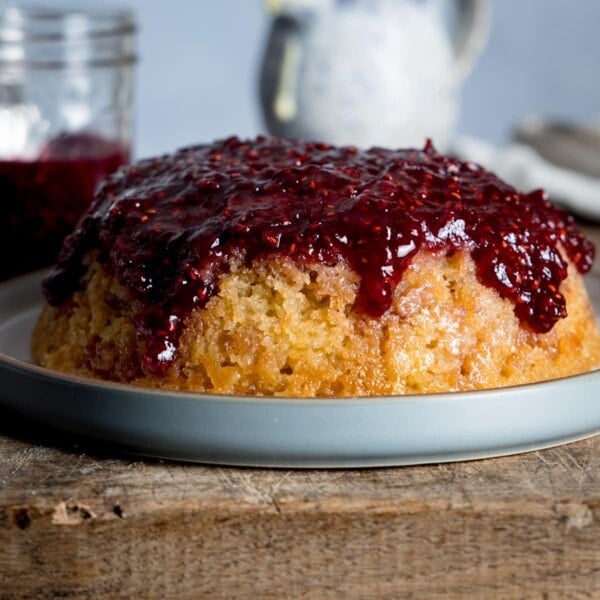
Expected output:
(302, 269)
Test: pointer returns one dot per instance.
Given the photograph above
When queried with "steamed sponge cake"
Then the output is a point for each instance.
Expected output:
(285, 268)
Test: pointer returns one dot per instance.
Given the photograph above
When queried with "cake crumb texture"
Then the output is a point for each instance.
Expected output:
(287, 329)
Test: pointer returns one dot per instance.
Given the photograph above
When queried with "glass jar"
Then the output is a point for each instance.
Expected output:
(66, 83)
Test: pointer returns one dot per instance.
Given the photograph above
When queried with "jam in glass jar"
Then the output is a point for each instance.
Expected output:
(66, 82)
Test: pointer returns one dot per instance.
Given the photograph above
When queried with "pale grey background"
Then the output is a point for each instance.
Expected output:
(199, 59)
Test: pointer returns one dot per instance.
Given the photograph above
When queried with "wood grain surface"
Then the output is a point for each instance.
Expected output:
(79, 522)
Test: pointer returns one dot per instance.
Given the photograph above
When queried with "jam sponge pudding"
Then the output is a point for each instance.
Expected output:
(288, 268)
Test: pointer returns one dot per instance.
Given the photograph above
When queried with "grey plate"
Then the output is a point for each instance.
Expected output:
(275, 432)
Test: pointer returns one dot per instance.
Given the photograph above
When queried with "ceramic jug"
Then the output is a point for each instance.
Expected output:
(369, 72)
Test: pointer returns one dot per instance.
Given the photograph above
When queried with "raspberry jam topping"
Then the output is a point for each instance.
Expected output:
(168, 227)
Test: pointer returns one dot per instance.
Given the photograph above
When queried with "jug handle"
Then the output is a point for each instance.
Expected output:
(279, 72)
(475, 20)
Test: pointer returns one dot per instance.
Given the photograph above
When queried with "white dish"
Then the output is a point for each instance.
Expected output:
(280, 432)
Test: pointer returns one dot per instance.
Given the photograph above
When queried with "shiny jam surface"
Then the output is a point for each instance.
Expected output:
(167, 227)
(41, 200)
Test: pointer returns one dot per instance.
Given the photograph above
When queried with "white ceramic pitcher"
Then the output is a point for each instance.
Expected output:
(369, 72)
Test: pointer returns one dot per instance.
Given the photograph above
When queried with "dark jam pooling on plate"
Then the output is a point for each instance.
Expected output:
(168, 227)
(42, 199)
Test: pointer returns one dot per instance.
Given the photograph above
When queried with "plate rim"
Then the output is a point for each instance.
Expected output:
(224, 406)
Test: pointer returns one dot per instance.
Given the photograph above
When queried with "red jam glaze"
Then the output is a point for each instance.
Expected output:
(168, 227)
(42, 199)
